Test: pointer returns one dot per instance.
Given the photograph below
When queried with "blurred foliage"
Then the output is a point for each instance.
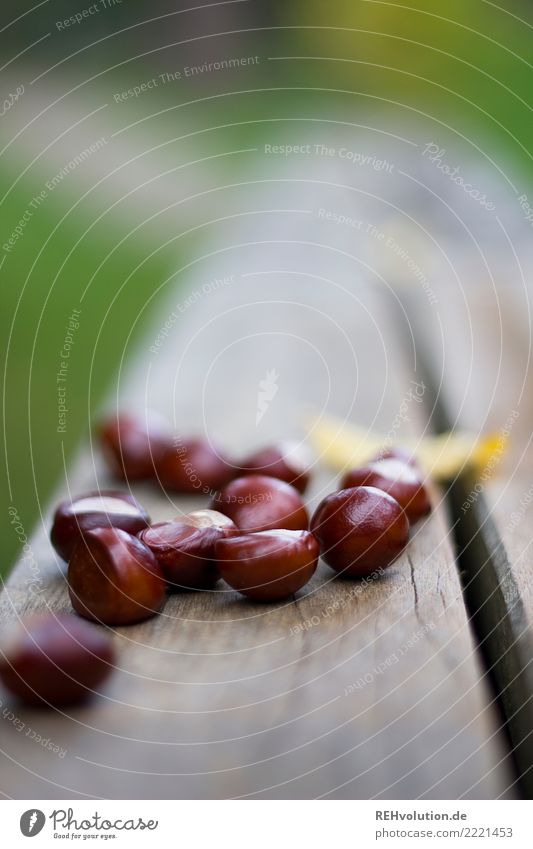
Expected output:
(466, 64)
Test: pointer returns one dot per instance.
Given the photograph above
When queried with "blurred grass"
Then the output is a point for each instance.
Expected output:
(36, 305)
(465, 64)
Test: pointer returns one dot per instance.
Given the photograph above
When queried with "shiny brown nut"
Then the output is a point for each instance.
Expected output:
(269, 565)
(54, 659)
(287, 462)
(134, 445)
(107, 508)
(185, 548)
(193, 466)
(262, 503)
(360, 530)
(399, 479)
(397, 452)
(114, 578)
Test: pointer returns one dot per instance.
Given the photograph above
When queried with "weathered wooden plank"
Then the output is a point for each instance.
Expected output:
(355, 690)
(487, 383)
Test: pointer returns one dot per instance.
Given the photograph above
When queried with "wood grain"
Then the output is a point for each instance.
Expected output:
(486, 382)
(486, 385)
(352, 690)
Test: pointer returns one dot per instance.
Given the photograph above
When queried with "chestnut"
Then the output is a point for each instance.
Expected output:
(193, 466)
(185, 548)
(287, 461)
(262, 503)
(106, 508)
(399, 479)
(398, 452)
(54, 659)
(268, 565)
(360, 530)
(114, 578)
(134, 445)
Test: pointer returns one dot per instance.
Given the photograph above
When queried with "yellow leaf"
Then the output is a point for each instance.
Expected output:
(344, 445)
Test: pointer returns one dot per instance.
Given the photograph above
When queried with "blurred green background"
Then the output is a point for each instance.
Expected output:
(463, 65)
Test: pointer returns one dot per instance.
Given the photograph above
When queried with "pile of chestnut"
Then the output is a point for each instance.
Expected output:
(256, 535)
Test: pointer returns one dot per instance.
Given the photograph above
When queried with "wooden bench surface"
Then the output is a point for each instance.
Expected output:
(485, 377)
(348, 691)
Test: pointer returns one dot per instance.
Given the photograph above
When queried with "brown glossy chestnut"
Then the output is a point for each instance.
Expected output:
(287, 462)
(360, 530)
(268, 565)
(185, 548)
(399, 479)
(193, 466)
(107, 508)
(54, 659)
(134, 445)
(114, 578)
(398, 452)
(262, 503)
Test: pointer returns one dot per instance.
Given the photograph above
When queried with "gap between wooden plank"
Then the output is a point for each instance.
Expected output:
(484, 382)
